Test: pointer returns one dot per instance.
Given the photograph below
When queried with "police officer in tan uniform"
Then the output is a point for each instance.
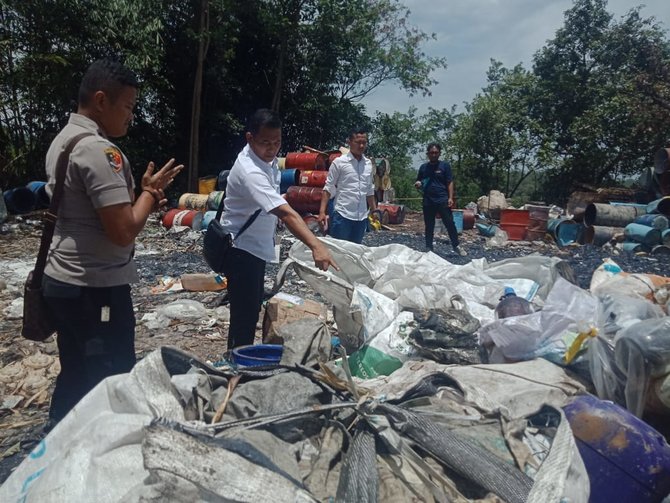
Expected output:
(90, 264)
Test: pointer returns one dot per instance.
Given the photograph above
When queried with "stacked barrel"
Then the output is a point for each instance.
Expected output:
(303, 177)
(196, 210)
(641, 227)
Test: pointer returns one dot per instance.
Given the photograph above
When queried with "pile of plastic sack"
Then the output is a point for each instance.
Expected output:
(616, 334)
(425, 396)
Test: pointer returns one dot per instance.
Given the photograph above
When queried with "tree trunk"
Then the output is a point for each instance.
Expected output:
(279, 82)
(194, 150)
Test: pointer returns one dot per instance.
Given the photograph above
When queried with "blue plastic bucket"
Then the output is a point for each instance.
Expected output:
(458, 219)
(258, 355)
(40, 190)
(289, 177)
(19, 200)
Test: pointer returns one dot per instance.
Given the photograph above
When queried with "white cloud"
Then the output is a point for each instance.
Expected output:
(471, 32)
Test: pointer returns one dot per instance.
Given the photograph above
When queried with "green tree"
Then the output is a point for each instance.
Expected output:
(599, 96)
(313, 60)
(396, 137)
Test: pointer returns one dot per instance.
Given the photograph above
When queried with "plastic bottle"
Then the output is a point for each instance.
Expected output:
(202, 282)
(511, 305)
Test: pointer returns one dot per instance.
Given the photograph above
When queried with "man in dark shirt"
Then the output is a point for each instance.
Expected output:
(436, 182)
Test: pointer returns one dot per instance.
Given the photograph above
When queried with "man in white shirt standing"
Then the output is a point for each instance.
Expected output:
(253, 184)
(350, 182)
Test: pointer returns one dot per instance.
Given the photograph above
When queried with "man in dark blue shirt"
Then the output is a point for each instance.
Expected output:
(436, 182)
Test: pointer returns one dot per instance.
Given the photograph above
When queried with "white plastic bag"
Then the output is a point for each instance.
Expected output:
(546, 333)
(617, 311)
(377, 311)
(642, 352)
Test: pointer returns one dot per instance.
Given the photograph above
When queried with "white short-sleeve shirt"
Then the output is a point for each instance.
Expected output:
(351, 181)
(252, 184)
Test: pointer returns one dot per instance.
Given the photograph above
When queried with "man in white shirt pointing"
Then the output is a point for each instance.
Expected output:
(253, 184)
(350, 182)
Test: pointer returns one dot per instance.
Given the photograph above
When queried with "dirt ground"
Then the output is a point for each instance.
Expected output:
(28, 369)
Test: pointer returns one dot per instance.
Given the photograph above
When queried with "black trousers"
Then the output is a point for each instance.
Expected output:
(245, 274)
(429, 213)
(95, 335)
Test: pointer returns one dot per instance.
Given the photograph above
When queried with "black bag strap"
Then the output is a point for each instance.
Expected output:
(219, 212)
(51, 214)
(248, 222)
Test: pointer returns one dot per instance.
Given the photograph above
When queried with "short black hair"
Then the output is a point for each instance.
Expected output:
(434, 144)
(106, 75)
(357, 130)
(263, 117)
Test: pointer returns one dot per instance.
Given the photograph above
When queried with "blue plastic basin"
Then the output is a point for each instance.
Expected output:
(257, 355)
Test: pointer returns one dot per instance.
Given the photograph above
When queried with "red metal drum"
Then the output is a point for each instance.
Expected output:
(304, 199)
(468, 219)
(515, 223)
(187, 218)
(396, 212)
(307, 178)
(306, 160)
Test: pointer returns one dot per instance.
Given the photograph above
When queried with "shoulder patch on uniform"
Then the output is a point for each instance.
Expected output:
(114, 158)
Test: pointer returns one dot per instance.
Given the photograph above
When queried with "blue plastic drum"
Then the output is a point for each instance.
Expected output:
(626, 459)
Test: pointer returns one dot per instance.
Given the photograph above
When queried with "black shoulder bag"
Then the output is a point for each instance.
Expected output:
(37, 322)
(218, 242)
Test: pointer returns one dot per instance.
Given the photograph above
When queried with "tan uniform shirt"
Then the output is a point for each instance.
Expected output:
(98, 176)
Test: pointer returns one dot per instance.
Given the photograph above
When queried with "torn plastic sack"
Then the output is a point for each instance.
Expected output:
(610, 278)
(447, 335)
(413, 279)
(306, 342)
(387, 351)
(540, 269)
(294, 434)
(376, 310)
(547, 333)
(619, 311)
(642, 352)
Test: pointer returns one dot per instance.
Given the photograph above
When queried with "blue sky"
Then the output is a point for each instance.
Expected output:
(471, 32)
